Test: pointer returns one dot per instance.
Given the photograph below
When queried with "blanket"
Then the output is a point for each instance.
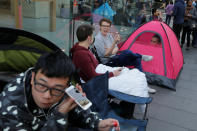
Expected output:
(130, 81)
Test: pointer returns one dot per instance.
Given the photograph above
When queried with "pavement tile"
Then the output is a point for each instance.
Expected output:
(175, 117)
(158, 125)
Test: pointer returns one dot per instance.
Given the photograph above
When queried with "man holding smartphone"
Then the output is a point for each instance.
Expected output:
(36, 99)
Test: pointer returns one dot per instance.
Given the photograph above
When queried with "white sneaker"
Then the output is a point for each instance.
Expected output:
(147, 57)
(151, 90)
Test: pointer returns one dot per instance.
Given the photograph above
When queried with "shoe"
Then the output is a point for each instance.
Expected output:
(151, 90)
(187, 48)
(194, 46)
(147, 57)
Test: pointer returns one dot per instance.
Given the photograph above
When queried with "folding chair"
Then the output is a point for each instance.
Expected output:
(97, 91)
(94, 51)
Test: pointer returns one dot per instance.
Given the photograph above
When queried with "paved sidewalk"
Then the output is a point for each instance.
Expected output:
(177, 111)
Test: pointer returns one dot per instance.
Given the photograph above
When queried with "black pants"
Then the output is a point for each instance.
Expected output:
(186, 31)
(128, 109)
(177, 29)
(194, 42)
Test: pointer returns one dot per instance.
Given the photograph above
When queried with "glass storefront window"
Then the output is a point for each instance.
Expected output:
(126, 16)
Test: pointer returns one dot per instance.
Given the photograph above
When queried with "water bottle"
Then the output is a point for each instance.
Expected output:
(114, 127)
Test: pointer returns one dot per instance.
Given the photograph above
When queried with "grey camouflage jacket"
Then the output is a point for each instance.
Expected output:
(18, 110)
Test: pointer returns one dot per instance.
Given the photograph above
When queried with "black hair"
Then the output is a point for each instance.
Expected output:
(153, 11)
(188, 1)
(171, 2)
(83, 31)
(158, 37)
(55, 64)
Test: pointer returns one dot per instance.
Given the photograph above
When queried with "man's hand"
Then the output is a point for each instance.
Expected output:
(68, 104)
(189, 15)
(117, 72)
(79, 89)
(107, 124)
(116, 37)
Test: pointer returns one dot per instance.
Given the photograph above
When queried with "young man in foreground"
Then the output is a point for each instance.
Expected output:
(36, 99)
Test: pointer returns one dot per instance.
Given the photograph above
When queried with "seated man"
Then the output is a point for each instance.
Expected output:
(106, 46)
(36, 99)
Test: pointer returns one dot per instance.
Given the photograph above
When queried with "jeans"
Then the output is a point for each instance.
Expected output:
(126, 58)
(168, 18)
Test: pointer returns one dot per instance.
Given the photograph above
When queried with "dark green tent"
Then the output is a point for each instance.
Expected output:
(20, 50)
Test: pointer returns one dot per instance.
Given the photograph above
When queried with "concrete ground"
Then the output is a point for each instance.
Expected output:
(169, 110)
(177, 111)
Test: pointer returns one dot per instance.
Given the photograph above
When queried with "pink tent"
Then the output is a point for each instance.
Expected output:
(167, 60)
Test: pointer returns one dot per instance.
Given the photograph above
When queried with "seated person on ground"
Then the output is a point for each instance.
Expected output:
(36, 99)
(106, 46)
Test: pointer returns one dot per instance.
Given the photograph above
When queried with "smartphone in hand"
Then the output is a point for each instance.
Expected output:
(81, 100)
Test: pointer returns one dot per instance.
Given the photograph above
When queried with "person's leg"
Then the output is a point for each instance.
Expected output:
(188, 38)
(177, 29)
(194, 41)
(169, 19)
(128, 58)
(127, 109)
(183, 36)
(180, 28)
(130, 54)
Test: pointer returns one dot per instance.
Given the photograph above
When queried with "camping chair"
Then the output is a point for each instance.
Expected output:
(97, 91)
(94, 51)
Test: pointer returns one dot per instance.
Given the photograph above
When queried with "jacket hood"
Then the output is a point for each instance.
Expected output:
(30, 104)
(180, 1)
(76, 47)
